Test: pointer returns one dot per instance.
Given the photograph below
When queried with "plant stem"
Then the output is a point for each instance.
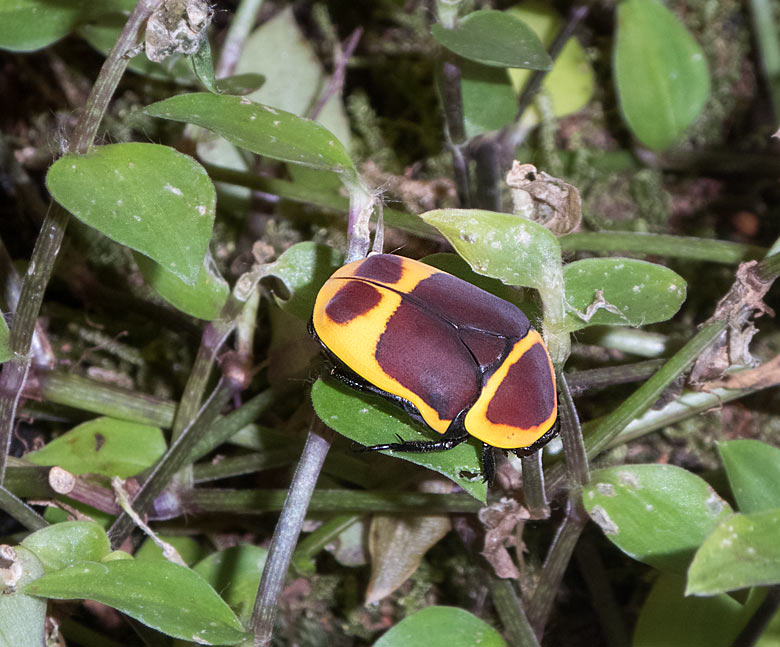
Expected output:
(576, 15)
(639, 401)
(594, 379)
(52, 232)
(20, 511)
(647, 395)
(103, 398)
(256, 502)
(317, 540)
(240, 27)
(533, 486)
(510, 609)
(555, 564)
(571, 436)
(173, 460)
(448, 84)
(287, 531)
(765, 29)
(604, 603)
(761, 618)
(689, 404)
(688, 247)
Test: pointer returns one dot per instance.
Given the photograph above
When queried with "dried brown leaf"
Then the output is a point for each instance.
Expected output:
(742, 303)
(397, 544)
(545, 199)
(503, 523)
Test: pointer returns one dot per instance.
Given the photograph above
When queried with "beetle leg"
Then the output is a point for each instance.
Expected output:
(488, 464)
(540, 442)
(452, 437)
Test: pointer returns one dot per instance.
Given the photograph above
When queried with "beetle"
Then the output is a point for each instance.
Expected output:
(453, 356)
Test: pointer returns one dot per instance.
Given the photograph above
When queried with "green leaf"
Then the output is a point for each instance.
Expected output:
(753, 469)
(494, 38)
(204, 300)
(167, 597)
(441, 627)
(742, 551)
(150, 198)
(63, 544)
(106, 446)
(657, 514)
(569, 84)
(280, 51)
(235, 573)
(489, 101)
(23, 617)
(660, 72)
(203, 66)
(5, 348)
(669, 618)
(510, 248)
(370, 420)
(301, 271)
(188, 548)
(27, 25)
(258, 128)
(620, 292)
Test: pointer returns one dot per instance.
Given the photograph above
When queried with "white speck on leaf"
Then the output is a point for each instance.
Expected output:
(271, 110)
(605, 489)
(245, 102)
(173, 189)
(629, 480)
(714, 503)
(601, 518)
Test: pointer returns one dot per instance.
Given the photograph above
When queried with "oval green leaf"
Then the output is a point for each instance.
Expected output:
(62, 544)
(258, 128)
(660, 72)
(106, 446)
(167, 597)
(742, 551)
(657, 514)
(150, 198)
(441, 627)
(369, 420)
(235, 572)
(753, 469)
(569, 85)
(204, 300)
(27, 25)
(494, 38)
(669, 618)
(301, 271)
(23, 617)
(489, 101)
(620, 292)
(510, 248)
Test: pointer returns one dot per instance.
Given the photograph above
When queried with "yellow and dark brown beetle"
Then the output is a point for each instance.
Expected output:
(453, 356)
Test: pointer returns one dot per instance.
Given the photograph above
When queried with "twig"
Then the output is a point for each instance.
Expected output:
(336, 82)
(52, 232)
